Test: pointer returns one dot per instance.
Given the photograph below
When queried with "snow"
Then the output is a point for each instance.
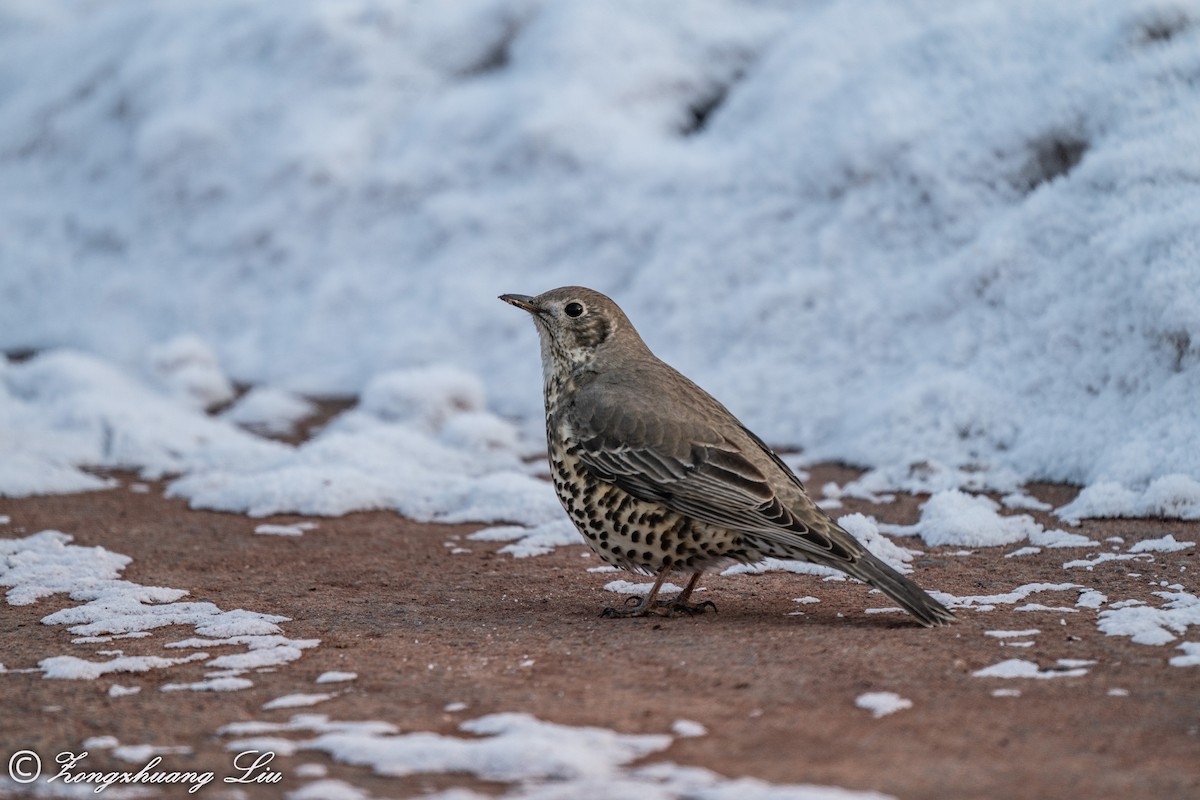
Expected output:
(531, 541)
(1166, 544)
(1175, 495)
(1012, 634)
(1059, 538)
(298, 700)
(105, 606)
(1150, 625)
(187, 368)
(295, 529)
(101, 743)
(269, 410)
(1007, 291)
(539, 759)
(1191, 657)
(1020, 668)
(331, 789)
(628, 587)
(399, 448)
(1024, 501)
(688, 729)
(988, 602)
(227, 684)
(1104, 558)
(311, 771)
(954, 517)
(880, 704)
(336, 677)
(1023, 551)
(65, 410)
(141, 753)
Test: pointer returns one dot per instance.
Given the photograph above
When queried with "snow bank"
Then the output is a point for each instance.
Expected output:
(65, 410)
(1172, 495)
(958, 236)
(419, 442)
(953, 517)
(269, 410)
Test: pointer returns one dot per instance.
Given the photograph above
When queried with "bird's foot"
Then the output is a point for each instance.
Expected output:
(678, 605)
(634, 607)
(638, 607)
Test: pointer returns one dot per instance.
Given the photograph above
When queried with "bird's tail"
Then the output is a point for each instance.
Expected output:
(834, 547)
(912, 598)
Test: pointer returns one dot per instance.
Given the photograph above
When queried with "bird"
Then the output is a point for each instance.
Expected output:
(661, 478)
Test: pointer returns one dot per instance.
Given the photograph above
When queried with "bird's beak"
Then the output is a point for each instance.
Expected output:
(522, 301)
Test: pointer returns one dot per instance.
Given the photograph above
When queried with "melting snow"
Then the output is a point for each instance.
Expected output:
(1019, 668)
(336, 677)
(297, 700)
(296, 529)
(46, 563)
(880, 704)
(539, 758)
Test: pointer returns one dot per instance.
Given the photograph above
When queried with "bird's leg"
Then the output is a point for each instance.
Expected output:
(647, 604)
(680, 603)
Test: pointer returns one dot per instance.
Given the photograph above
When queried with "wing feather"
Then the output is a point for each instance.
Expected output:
(693, 470)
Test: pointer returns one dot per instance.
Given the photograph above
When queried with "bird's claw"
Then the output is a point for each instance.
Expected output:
(676, 606)
(637, 607)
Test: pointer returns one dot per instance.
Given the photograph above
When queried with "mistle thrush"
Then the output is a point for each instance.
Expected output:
(661, 478)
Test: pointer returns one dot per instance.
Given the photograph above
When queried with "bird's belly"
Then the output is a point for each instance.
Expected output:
(636, 534)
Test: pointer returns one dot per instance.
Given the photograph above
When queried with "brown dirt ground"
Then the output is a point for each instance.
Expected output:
(423, 628)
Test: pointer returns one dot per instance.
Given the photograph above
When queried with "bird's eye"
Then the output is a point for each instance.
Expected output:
(574, 309)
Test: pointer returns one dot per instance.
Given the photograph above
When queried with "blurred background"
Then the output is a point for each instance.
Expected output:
(886, 232)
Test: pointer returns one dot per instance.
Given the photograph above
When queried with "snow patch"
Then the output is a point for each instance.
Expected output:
(46, 563)
(628, 587)
(1166, 544)
(536, 756)
(880, 704)
(1019, 668)
(688, 729)
(336, 677)
(268, 410)
(1151, 625)
(296, 529)
(1176, 495)
(953, 517)
(298, 700)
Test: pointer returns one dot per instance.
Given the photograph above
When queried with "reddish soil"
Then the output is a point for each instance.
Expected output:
(423, 628)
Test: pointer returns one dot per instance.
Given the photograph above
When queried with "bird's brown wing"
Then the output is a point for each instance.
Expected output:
(694, 469)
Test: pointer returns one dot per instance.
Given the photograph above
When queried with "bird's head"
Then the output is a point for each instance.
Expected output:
(575, 325)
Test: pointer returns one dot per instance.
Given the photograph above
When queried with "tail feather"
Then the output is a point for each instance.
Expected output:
(912, 598)
(848, 555)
